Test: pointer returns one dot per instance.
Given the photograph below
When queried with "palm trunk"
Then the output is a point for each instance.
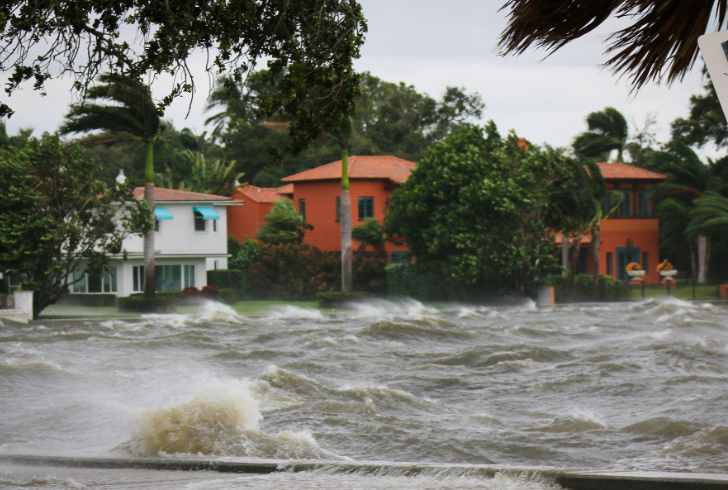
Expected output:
(596, 234)
(702, 259)
(345, 214)
(149, 277)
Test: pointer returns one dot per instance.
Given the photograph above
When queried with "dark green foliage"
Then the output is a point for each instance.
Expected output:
(607, 132)
(585, 290)
(283, 225)
(54, 213)
(369, 273)
(293, 272)
(139, 304)
(89, 300)
(706, 122)
(371, 233)
(309, 47)
(337, 299)
(226, 279)
(475, 205)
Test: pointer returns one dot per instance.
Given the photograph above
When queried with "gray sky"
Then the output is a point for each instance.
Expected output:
(434, 44)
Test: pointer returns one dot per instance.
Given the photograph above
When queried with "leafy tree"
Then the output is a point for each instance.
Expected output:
(607, 131)
(645, 49)
(706, 122)
(56, 218)
(130, 114)
(283, 225)
(475, 204)
(688, 179)
(309, 46)
(371, 233)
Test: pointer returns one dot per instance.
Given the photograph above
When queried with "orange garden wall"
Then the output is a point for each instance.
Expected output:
(320, 199)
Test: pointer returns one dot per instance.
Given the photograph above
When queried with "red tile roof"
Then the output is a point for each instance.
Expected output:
(620, 171)
(262, 194)
(371, 167)
(162, 194)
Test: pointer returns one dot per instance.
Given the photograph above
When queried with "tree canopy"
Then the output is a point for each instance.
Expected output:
(309, 46)
(56, 218)
(475, 206)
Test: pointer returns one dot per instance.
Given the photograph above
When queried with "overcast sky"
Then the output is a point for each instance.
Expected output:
(434, 44)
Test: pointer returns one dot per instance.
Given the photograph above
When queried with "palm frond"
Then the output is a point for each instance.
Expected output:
(662, 42)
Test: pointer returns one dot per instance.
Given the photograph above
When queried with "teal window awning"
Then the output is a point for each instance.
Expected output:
(160, 213)
(207, 212)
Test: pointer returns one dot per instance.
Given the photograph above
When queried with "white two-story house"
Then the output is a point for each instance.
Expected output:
(190, 239)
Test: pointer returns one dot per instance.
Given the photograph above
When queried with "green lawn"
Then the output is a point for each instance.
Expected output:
(247, 308)
(704, 292)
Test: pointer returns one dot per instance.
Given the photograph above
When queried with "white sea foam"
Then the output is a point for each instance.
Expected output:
(381, 308)
(295, 312)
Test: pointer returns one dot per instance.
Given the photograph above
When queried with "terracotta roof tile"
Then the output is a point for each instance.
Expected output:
(620, 171)
(370, 167)
(262, 194)
(162, 194)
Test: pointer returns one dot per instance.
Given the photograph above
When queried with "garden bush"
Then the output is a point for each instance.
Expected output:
(369, 273)
(584, 289)
(227, 279)
(140, 304)
(293, 272)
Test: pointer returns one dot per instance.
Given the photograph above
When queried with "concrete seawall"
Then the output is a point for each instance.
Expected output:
(573, 479)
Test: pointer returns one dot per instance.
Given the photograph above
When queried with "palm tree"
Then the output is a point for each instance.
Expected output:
(661, 39)
(607, 132)
(688, 181)
(130, 115)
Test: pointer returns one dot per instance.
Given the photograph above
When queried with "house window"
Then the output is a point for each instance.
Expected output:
(302, 208)
(645, 261)
(156, 225)
(366, 208)
(214, 226)
(199, 221)
(338, 209)
(643, 204)
(138, 280)
(94, 282)
(626, 209)
(189, 276)
(610, 264)
(401, 257)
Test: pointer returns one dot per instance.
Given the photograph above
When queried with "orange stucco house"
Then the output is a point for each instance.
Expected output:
(632, 233)
(246, 220)
(372, 179)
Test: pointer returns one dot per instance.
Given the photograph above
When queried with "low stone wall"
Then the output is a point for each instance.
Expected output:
(22, 310)
(7, 301)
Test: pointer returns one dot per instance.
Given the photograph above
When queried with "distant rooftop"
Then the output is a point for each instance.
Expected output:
(620, 171)
(262, 194)
(162, 194)
(360, 167)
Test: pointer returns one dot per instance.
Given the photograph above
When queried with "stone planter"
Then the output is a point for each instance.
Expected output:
(636, 275)
(668, 274)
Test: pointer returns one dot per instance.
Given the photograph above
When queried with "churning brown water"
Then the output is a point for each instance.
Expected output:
(622, 386)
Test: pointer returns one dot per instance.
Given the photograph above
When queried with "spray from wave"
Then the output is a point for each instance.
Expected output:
(221, 422)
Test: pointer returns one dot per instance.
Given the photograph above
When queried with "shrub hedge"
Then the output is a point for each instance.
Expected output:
(158, 304)
(427, 283)
(228, 279)
(584, 289)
